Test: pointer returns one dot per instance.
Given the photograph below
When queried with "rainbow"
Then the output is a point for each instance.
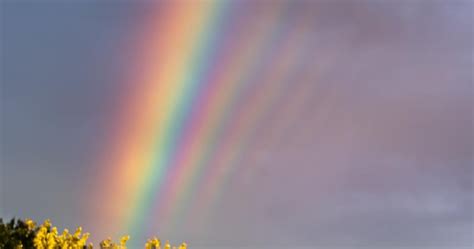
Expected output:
(209, 77)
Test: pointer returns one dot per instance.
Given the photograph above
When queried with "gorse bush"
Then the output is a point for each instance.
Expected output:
(18, 234)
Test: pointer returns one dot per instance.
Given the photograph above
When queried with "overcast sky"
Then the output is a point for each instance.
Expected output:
(379, 153)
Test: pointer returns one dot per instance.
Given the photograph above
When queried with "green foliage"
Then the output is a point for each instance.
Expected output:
(16, 234)
(19, 234)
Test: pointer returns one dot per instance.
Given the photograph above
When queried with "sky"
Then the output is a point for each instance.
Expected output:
(369, 142)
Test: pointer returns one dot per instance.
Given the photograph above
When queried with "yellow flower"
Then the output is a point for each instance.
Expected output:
(47, 238)
(78, 232)
(123, 241)
(167, 245)
(82, 241)
(51, 240)
(47, 224)
(106, 243)
(30, 224)
(40, 239)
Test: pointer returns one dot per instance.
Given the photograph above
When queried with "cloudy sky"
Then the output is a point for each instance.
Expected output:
(371, 145)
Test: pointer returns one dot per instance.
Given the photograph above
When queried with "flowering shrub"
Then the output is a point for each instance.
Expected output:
(18, 234)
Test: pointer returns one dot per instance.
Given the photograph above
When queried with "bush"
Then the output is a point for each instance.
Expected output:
(18, 234)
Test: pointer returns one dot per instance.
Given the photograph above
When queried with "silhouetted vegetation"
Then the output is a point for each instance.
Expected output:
(16, 234)
(19, 234)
